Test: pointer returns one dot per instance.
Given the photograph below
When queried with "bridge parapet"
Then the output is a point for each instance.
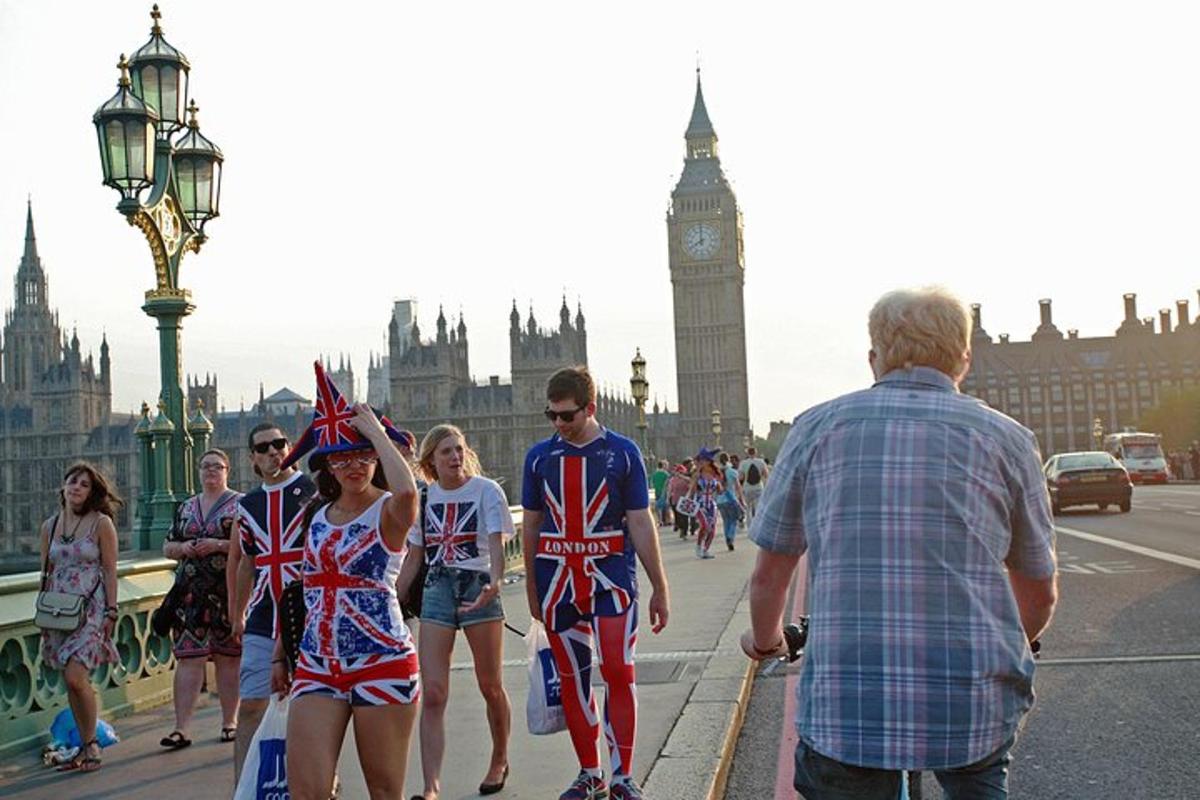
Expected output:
(32, 694)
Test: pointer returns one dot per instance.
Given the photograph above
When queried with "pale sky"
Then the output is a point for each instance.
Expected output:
(470, 153)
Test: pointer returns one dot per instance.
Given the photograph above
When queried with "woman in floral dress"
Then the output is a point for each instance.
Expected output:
(79, 549)
(200, 541)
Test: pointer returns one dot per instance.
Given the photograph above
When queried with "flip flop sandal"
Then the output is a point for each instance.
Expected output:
(175, 740)
(228, 734)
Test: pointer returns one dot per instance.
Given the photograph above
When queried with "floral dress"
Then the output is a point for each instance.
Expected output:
(75, 568)
(201, 625)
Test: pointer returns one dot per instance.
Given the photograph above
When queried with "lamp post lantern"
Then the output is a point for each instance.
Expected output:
(183, 178)
(1098, 432)
(716, 427)
(640, 388)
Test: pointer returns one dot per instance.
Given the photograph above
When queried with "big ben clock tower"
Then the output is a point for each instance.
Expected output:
(707, 262)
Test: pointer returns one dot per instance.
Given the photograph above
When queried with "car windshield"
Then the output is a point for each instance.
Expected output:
(1142, 451)
(1086, 461)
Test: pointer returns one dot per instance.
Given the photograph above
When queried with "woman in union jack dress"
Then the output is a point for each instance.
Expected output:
(705, 487)
(460, 534)
(357, 659)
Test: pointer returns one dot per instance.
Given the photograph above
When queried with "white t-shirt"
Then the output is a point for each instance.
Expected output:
(744, 469)
(458, 522)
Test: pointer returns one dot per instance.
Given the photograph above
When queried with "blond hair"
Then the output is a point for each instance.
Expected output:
(926, 327)
(430, 443)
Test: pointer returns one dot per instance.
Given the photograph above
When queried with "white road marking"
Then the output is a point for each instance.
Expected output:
(1175, 505)
(1193, 513)
(1141, 507)
(1170, 558)
(1066, 662)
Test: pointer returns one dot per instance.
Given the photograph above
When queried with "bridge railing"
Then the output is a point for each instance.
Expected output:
(32, 694)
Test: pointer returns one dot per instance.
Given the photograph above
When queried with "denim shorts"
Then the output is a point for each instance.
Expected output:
(254, 673)
(447, 588)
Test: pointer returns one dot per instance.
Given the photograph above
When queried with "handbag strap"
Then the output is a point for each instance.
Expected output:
(46, 561)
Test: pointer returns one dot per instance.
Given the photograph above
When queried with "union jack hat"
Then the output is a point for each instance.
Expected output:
(331, 430)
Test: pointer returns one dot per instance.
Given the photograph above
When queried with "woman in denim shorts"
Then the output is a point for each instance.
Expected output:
(460, 533)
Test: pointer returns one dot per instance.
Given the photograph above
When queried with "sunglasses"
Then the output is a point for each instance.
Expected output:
(215, 466)
(279, 444)
(343, 463)
(565, 416)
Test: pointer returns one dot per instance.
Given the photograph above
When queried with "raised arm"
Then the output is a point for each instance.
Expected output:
(400, 510)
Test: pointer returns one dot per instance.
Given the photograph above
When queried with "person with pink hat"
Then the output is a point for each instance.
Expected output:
(357, 660)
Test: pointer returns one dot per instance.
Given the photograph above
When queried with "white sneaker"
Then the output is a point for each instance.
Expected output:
(707, 554)
(699, 551)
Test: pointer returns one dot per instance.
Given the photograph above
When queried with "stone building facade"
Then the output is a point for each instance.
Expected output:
(1057, 385)
(55, 408)
(430, 382)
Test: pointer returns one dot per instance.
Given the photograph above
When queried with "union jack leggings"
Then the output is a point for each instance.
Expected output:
(572, 650)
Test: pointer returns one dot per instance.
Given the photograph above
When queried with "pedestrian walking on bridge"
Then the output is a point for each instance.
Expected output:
(931, 567)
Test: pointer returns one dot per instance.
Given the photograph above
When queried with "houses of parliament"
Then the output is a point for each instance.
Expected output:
(56, 402)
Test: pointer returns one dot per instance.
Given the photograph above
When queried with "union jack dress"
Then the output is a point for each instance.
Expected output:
(350, 589)
(356, 646)
(585, 564)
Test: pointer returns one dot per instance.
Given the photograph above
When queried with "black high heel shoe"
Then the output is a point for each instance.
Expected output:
(492, 788)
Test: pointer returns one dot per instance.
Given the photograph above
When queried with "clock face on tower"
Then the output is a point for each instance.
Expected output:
(701, 240)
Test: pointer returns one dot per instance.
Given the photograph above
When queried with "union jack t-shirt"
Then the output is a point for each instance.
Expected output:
(585, 564)
(270, 528)
(457, 523)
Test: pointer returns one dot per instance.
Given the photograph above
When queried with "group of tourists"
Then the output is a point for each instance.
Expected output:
(713, 485)
(382, 527)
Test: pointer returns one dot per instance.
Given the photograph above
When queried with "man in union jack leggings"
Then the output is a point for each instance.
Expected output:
(587, 513)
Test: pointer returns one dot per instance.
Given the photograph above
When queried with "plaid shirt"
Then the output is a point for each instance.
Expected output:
(910, 499)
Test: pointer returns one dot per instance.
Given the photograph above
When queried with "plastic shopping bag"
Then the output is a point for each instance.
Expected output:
(264, 775)
(543, 708)
(63, 732)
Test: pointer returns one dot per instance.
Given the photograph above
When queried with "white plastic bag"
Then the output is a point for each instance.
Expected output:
(543, 708)
(264, 775)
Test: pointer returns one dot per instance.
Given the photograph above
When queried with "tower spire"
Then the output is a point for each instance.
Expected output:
(30, 260)
(700, 125)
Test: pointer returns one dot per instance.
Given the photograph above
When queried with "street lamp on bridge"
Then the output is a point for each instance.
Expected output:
(135, 129)
(640, 388)
(1098, 432)
(716, 427)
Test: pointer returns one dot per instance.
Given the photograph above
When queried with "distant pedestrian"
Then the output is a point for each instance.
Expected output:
(707, 483)
(658, 481)
(1194, 458)
(677, 489)
(79, 556)
(753, 474)
(205, 528)
(931, 567)
(460, 533)
(730, 502)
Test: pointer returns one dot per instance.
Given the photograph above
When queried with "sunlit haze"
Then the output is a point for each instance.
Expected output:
(469, 154)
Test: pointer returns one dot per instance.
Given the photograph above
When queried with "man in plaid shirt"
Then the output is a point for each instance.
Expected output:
(931, 565)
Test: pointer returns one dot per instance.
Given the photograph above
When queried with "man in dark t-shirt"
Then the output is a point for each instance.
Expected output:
(268, 557)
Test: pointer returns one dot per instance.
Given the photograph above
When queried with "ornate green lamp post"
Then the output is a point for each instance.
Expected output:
(640, 389)
(135, 128)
